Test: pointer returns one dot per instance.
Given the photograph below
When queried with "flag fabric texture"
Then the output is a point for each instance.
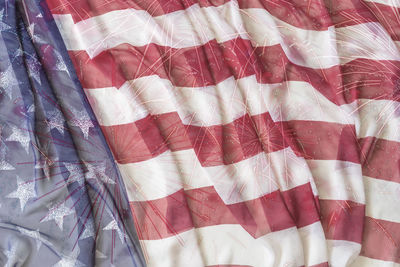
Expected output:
(62, 200)
(225, 132)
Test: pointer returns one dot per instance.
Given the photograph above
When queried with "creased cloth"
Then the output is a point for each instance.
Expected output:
(63, 202)
(248, 132)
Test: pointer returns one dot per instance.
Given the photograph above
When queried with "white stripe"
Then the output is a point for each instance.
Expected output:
(313, 239)
(184, 28)
(259, 175)
(383, 199)
(362, 261)
(245, 180)
(342, 253)
(213, 105)
(393, 3)
(225, 244)
(314, 49)
(163, 175)
(196, 26)
(367, 40)
(379, 118)
(338, 180)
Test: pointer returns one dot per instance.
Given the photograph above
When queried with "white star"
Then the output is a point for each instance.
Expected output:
(24, 192)
(75, 173)
(98, 172)
(57, 213)
(89, 230)
(113, 225)
(7, 81)
(34, 37)
(60, 64)
(70, 260)
(32, 234)
(3, 26)
(20, 136)
(4, 165)
(82, 121)
(12, 256)
(18, 53)
(34, 67)
(56, 120)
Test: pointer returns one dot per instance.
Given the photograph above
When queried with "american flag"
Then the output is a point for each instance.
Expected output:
(248, 132)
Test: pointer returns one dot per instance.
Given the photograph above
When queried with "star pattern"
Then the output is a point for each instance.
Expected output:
(89, 230)
(82, 121)
(70, 260)
(113, 225)
(35, 37)
(12, 256)
(20, 136)
(7, 81)
(34, 67)
(18, 53)
(4, 165)
(75, 173)
(24, 192)
(3, 26)
(56, 120)
(57, 213)
(32, 234)
(60, 63)
(31, 121)
(98, 172)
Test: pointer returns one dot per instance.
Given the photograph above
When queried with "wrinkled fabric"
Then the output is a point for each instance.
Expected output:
(63, 202)
(236, 133)
(248, 133)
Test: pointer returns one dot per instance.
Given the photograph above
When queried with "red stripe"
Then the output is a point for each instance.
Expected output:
(349, 12)
(321, 14)
(388, 17)
(316, 15)
(322, 140)
(342, 219)
(371, 79)
(202, 207)
(201, 66)
(300, 202)
(233, 142)
(198, 66)
(352, 12)
(380, 158)
(214, 145)
(296, 12)
(299, 13)
(381, 240)
(84, 9)
(213, 63)
(324, 264)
